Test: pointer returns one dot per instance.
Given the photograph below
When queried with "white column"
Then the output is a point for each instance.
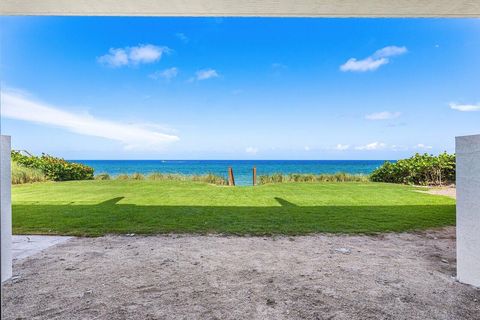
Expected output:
(468, 209)
(5, 208)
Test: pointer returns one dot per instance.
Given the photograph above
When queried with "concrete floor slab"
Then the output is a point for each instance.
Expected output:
(24, 246)
(389, 276)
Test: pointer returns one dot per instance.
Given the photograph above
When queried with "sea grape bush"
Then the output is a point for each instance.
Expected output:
(421, 169)
(55, 169)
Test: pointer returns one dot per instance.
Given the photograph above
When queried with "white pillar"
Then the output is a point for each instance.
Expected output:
(5, 208)
(468, 209)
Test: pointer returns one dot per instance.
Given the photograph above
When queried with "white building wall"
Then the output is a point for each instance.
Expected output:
(468, 209)
(5, 208)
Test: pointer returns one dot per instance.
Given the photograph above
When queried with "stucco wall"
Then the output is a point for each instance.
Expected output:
(5, 208)
(468, 209)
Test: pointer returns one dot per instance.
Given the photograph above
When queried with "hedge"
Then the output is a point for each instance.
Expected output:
(421, 169)
(56, 169)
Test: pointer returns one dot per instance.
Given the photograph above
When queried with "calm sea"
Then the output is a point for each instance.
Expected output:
(242, 169)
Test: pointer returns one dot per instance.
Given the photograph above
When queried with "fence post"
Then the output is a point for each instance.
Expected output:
(231, 178)
(5, 208)
(254, 176)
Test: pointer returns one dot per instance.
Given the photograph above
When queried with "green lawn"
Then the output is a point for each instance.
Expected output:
(95, 208)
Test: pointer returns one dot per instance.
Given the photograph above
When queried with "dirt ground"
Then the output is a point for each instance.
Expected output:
(393, 276)
(444, 191)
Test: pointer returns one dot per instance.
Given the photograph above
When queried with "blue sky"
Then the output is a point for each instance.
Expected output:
(238, 88)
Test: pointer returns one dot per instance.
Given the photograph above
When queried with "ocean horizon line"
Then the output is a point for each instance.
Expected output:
(241, 168)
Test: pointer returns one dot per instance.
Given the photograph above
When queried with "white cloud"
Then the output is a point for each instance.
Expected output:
(19, 106)
(166, 74)
(115, 58)
(206, 74)
(422, 146)
(465, 107)
(144, 53)
(373, 62)
(182, 37)
(372, 146)
(384, 115)
(342, 147)
(395, 147)
(368, 64)
(251, 150)
(389, 51)
(307, 148)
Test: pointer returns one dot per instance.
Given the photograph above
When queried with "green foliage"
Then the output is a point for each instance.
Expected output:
(22, 174)
(158, 176)
(210, 178)
(295, 177)
(421, 169)
(55, 169)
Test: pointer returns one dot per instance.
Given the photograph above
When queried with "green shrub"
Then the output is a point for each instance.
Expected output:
(210, 178)
(298, 177)
(207, 178)
(102, 176)
(22, 174)
(158, 176)
(56, 169)
(421, 169)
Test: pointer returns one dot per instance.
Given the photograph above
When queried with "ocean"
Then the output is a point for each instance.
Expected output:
(242, 169)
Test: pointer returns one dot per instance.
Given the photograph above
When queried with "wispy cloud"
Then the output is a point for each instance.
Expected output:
(372, 146)
(422, 146)
(395, 147)
(206, 74)
(182, 37)
(465, 107)
(342, 147)
(16, 105)
(251, 150)
(384, 115)
(141, 54)
(373, 62)
(166, 74)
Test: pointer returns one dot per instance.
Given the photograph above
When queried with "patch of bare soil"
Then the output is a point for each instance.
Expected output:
(393, 276)
(443, 191)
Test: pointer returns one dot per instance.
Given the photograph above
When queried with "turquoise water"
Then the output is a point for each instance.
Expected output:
(242, 169)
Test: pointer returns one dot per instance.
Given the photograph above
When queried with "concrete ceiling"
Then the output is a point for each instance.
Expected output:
(245, 8)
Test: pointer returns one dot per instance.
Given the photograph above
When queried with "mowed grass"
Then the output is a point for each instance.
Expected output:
(93, 208)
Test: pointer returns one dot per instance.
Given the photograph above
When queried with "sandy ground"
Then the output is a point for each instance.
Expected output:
(444, 191)
(393, 276)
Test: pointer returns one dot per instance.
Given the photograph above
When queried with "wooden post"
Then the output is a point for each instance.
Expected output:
(254, 176)
(231, 179)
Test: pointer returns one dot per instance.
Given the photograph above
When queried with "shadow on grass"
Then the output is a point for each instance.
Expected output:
(284, 203)
(113, 217)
